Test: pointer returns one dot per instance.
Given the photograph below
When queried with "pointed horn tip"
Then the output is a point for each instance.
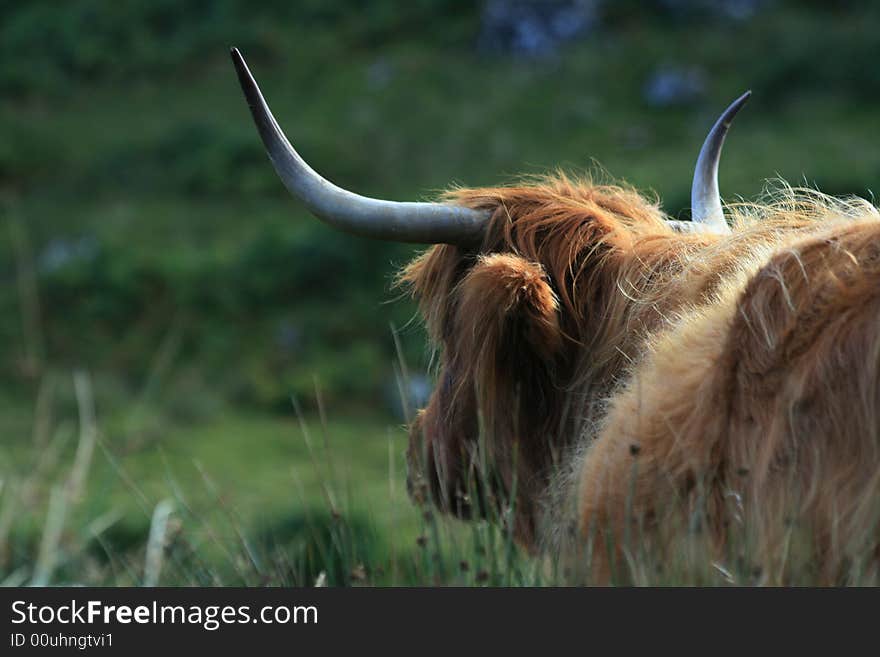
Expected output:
(237, 59)
(737, 105)
(245, 78)
(241, 66)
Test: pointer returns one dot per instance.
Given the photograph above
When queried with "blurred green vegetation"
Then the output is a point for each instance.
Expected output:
(147, 240)
(144, 203)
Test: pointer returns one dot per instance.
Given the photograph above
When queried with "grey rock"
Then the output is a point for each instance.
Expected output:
(59, 253)
(669, 86)
(418, 389)
(535, 28)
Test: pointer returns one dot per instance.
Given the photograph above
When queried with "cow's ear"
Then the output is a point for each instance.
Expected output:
(506, 302)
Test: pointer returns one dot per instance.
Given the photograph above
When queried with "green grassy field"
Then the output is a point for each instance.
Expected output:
(242, 500)
(147, 241)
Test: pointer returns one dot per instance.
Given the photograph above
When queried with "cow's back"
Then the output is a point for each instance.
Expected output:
(753, 419)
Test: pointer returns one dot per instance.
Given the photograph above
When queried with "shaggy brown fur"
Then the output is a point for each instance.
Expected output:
(658, 375)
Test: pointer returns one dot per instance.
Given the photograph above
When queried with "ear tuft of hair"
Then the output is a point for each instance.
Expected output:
(504, 293)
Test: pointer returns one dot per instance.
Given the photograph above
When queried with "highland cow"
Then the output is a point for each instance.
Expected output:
(612, 381)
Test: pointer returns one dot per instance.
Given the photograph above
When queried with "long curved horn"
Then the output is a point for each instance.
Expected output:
(705, 198)
(421, 223)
